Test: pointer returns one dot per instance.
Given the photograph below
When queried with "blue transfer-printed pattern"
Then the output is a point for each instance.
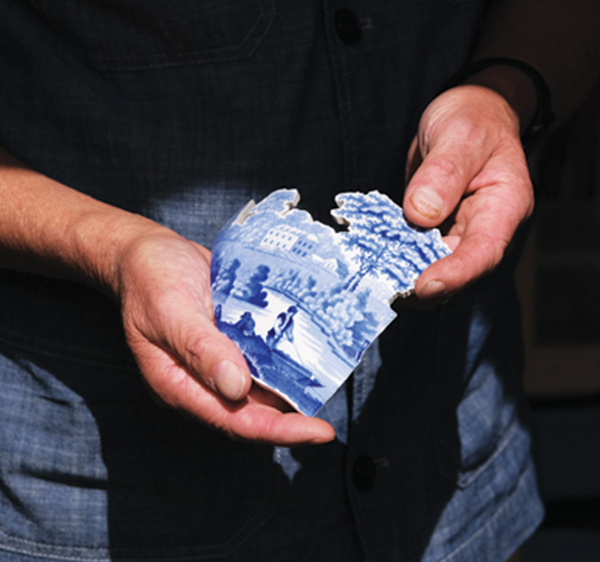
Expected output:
(302, 301)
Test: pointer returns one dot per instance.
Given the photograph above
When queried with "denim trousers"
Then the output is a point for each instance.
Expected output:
(183, 112)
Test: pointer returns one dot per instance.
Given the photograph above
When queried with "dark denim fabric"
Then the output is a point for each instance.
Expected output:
(183, 111)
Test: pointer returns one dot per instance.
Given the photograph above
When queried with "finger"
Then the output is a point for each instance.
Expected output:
(441, 180)
(181, 329)
(251, 419)
(261, 422)
(476, 256)
(486, 224)
(269, 398)
(226, 369)
(210, 356)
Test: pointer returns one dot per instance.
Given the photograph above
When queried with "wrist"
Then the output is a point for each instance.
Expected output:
(521, 85)
(49, 229)
(513, 86)
(102, 239)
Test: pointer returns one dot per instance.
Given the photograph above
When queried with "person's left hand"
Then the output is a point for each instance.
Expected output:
(467, 172)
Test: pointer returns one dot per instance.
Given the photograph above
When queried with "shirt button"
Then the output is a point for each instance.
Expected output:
(363, 473)
(348, 26)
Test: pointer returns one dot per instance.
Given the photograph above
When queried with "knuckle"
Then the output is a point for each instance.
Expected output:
(447, 169)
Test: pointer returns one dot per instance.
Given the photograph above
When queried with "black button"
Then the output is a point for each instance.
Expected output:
(364, 473)
(348, 26)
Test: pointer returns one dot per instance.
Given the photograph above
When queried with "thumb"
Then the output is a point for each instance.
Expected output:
(440, 182)
(178, 357)
(451, 148)
(213, 359)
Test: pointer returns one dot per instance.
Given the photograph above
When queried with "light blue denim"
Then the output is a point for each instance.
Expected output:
(183, 111)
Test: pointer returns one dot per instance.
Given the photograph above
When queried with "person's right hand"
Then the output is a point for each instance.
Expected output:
(163, 284)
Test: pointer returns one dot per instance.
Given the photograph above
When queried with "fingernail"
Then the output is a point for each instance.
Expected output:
(427, 202)
(434, 288)
(229, 380)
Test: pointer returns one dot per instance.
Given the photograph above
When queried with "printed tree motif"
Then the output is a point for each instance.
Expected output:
(284, 280)
(365, 328)
(347, 320)
(227, 276)
(253, 289)
(307, 292)
(382, 242)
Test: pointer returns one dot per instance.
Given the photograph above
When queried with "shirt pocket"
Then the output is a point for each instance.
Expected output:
(478, 396)
(91, 468)
(142, 34)
(486, 421)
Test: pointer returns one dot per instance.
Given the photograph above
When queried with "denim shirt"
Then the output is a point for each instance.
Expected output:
(183, 112)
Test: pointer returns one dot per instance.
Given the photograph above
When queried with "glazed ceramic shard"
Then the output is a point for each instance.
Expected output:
(302, 301)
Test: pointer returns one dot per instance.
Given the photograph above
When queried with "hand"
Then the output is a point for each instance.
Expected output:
(468, 173)
(164, 288)
(162, 282)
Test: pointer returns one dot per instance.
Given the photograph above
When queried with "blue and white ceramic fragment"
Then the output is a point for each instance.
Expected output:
(302, 301)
